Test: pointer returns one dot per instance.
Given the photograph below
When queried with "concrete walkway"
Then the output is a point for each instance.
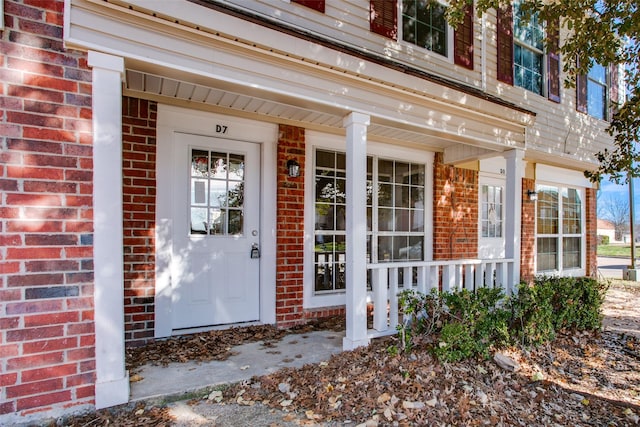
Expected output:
(253, 359)
(611, 267)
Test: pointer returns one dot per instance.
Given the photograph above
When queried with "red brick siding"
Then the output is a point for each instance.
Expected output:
(323, 312)
(139, 214)
(455, 212)
(290, 229)
(528, 233)
(592, 238)
(46, 215)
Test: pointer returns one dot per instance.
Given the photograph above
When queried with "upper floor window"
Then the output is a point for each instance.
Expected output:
(424, 24)
(528, 51)
(597, 91)
(522, 59)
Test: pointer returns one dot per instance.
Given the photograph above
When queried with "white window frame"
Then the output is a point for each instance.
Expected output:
(607, 88)
(410, 46)
(316, 140)
(560, 270)
(516, 41)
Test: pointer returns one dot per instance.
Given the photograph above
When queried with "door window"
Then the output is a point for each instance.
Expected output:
(217, 193)
(491, 211)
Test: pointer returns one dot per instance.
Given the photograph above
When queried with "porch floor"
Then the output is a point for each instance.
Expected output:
(252, 359)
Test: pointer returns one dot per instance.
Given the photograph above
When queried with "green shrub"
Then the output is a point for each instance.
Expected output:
(603, 239)
(465, 324)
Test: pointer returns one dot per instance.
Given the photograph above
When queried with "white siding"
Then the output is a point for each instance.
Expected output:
(559, 130)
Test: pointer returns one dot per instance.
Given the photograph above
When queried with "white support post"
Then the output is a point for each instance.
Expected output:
(112, 380)
(513, 216)
(356, 275)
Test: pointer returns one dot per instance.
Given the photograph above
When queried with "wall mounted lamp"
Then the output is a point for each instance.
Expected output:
(294, 168)
(533, 195)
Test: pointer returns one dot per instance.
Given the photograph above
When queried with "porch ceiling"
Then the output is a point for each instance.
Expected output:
(223, 97)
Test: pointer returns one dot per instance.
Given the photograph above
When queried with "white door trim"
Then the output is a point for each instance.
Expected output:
(176, 119)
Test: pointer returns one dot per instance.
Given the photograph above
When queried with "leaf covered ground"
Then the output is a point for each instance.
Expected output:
(580, 379)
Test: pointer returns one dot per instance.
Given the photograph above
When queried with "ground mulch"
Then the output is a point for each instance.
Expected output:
(580, 379)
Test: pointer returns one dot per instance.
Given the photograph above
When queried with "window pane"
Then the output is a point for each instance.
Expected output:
(547, 210)
(329, 263)
(325, 159)
(528, 50)
(235, 195)
(324, 216)
(216, 185)
(596, 99)
(395, 208)
(598, 73)
(571, 211)
(571, 248)
(219, 165)
(424, 24)
(547, 254)
(491, 211)
(235, 222)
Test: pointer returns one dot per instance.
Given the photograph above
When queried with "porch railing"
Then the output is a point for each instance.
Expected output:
(389, 279)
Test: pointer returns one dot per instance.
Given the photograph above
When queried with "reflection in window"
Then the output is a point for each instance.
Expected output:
(491, 211)
(395, 215)
(217, 191)
(424, 24)
(559, 248)
(528, 38)
(597, 92)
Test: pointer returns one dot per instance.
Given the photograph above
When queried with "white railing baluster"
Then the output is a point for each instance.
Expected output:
(448, 278)
(468, 277)
(480, 268)
(393, 302)
(422, 279)
(470, 274)
(380, 298)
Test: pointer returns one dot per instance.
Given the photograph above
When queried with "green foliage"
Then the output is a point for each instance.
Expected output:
(603, 32)
(463, 324)
(603, 240)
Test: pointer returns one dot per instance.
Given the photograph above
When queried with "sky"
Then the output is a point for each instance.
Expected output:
(612, 191)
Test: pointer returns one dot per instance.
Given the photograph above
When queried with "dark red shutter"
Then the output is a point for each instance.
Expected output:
(383, 17)
(553, 61)
(463, 40)
(614, 96)
(313, 4)
(581, 93)
(505, 44)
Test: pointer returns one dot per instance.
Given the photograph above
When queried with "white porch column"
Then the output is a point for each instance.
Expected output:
(513, 215)
(112, 381)
(356, 269)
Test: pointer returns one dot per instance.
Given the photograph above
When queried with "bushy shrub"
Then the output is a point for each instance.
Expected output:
(603, 239)
(463, 324)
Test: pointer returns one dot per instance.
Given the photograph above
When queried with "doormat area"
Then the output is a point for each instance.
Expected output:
(218, 344)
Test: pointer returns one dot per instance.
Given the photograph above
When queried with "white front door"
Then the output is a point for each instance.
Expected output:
(216, 218)
(491, 239)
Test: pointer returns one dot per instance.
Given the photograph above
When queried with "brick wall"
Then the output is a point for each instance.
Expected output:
(455, 212)
(46, 219)
(591, 237)
(290, 229)
(528, 233)
(139, 214)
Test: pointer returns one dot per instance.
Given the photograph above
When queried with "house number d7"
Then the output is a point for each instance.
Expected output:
(221, 129)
